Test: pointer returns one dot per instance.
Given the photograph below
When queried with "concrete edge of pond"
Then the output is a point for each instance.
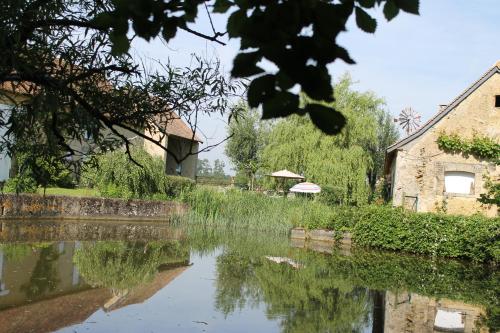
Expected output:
(32, 206)
(321, 235)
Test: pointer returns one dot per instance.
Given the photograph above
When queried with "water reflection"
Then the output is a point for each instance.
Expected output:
(229, 282)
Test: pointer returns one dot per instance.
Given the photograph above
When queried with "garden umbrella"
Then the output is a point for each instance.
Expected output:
(285, 174)
(306, 188)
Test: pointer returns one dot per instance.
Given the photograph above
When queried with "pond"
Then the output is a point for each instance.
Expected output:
(123, 277)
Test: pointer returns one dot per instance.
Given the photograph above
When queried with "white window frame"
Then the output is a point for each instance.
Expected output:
(459, 182)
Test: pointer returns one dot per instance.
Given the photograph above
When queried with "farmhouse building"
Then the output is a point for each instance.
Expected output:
(181, 142)
(425, 178)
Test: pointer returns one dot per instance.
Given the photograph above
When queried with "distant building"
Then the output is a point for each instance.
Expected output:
(181, 142)
(424, 178)
(182, 145)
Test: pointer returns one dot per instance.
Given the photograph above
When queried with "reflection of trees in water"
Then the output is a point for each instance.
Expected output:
(16, 252)
(44, 276)
(122, 265)
(308, 299)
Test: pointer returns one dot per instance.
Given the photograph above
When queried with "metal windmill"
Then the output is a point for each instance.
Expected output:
(409, 120)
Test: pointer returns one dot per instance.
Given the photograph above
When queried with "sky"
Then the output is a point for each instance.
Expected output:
(413, 61)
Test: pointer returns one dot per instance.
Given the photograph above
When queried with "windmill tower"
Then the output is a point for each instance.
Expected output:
(409, 120)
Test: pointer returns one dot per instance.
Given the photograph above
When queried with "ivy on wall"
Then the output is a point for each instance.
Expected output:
(479, 146)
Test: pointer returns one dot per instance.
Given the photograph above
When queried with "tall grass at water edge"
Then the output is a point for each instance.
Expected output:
(253, 211)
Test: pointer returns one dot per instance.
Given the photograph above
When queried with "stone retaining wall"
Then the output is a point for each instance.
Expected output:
(321, 235)
(89, 208)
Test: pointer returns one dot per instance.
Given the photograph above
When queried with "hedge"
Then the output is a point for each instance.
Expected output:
(474, 237)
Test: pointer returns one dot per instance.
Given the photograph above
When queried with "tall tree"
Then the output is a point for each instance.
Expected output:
(247, 138)
(341, 163)
(72, 57)
(387, 134)
(203, 167)
(218, 170)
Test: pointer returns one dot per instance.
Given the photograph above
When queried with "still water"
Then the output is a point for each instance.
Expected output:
(113, 277)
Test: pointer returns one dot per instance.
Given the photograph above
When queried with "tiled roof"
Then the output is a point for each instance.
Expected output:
(444, 111)
(176, 126)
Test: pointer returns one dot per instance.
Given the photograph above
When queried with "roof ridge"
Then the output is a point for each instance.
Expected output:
(449, 107)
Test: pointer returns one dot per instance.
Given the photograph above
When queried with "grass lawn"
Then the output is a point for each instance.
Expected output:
(78, 192)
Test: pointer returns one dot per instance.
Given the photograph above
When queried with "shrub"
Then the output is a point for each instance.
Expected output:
(475, 237)
(20, 184)
(117, 177)
(36, 169)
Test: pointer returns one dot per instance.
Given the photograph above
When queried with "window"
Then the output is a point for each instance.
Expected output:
(497, 101)
(459, 182)
(178, 169)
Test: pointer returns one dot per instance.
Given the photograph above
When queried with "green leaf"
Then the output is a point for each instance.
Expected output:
(390, 10)
(409, 6)
(280, 105)
(120, 43)
(103, 20)
(245, 64)
(344, 55)
(169, 28)
(235, 22)
(316, 83)
(261, 89)
(364, 21)
(221, 6)
(367, 3)
(325, 118)
(284, 81)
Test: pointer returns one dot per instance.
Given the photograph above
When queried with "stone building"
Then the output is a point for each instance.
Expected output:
(424, 178)
(181, 142)
(182, 145)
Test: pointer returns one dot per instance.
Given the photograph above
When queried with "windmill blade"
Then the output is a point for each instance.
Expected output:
(409, 120)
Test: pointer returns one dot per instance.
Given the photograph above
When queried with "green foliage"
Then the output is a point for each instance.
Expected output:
(20, 184)
(45, 277)
(247, 138)
(116, 177)
(218, 169)
(34, 169)
(245, 277)
(474, 237)
(205, 169)
(289, 34)
(235, 209)
(121, 266)
(492, 195)
(342, 163)
(479, 146)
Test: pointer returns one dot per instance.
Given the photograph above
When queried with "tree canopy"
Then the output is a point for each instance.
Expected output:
(70, 61)
(247, 139)
(341, 163)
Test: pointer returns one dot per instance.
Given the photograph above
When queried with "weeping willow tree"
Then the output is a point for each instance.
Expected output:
(346, 165)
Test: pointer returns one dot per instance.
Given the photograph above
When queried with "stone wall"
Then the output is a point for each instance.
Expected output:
(90, 208)
(420, 165)
(321, 235)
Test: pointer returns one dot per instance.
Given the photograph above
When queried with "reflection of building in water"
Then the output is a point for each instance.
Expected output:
(46, 292)
(143, 292)
(409, 312)
(35, 272)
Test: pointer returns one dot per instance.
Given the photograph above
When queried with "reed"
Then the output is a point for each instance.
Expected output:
(253, 211)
